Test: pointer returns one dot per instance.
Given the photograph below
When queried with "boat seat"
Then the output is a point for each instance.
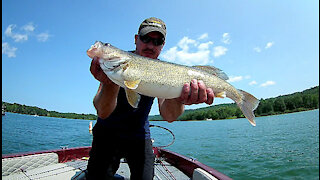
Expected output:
(17, 164)
(200, 174)
(43, 167)
(54, 171)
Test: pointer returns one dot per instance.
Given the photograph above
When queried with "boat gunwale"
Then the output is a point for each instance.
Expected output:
(183, 163)
(188, 165)
(65, 154)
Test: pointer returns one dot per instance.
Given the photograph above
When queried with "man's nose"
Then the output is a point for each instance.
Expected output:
(150, 45)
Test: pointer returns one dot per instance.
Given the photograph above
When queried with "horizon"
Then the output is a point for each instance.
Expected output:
(185, 110)
(267, 48)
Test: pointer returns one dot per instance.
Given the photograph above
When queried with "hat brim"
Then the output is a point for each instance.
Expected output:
(148, 29)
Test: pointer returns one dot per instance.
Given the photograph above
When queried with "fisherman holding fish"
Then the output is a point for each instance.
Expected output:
(122, 128)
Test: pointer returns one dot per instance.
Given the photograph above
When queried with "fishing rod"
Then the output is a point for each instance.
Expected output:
(173, 136)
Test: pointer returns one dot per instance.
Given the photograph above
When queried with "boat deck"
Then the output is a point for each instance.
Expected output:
(162, 170)
(72, 164)
(76, 170)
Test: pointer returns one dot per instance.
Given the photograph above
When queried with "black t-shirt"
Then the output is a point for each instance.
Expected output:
(126, 121)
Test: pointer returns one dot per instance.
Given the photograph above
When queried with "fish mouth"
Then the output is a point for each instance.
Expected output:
(90, 53)
(94, 49)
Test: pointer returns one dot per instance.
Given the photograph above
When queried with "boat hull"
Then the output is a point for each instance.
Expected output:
(186, 165)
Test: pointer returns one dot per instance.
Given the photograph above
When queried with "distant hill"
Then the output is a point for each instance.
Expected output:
(299, 101)
(33, 110)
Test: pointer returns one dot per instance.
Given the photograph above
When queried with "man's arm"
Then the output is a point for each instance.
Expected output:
(105, 100)
(170, 109)
(193, 93)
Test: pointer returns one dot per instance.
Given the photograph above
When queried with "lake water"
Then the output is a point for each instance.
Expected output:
(279, 147)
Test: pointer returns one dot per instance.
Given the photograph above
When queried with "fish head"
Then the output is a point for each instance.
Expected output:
(110, 57)
(103, 51)
(96, 50)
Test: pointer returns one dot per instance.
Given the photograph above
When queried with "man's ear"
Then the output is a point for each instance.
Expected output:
(135, 38)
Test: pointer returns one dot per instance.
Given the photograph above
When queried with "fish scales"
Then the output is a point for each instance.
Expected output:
(156, 78)
(175, 76)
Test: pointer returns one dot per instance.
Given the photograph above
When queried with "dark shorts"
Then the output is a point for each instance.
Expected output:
(108, 149)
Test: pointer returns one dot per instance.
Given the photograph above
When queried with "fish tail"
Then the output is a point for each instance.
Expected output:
(247, 105)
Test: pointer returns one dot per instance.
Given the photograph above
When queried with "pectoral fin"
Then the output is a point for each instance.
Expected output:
(132, 97)
(132, 84)
(221, 94)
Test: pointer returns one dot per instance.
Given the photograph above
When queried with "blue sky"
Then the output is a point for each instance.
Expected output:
(268, 47)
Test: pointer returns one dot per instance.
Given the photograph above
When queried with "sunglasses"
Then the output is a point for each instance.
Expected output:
(155, 41)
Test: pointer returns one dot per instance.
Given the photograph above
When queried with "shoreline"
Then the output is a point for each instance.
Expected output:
(244, 117)
(178, 120)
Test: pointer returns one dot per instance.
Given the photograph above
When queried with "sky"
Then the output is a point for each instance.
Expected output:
(267, 47)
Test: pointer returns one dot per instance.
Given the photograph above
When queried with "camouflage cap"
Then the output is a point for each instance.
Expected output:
(152, 24)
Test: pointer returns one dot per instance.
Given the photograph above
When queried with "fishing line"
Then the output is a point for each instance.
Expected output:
(173, 136)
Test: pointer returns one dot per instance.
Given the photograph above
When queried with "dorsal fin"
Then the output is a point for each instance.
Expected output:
(214, 71)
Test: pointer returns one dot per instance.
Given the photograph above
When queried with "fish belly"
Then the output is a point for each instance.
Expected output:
(160, 91)
(147, 89)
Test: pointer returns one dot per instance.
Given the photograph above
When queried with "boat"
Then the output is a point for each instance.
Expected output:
(3, 109)
(90, 126)
(71, 163)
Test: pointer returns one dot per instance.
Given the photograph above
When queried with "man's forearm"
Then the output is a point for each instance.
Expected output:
(105, 100)
(171, 109)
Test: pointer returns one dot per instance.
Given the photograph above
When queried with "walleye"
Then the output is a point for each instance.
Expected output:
(156, 78)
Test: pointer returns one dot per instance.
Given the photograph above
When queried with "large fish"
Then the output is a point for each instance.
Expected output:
(156, 78)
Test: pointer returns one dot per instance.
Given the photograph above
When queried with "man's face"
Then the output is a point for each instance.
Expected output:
(148, 49)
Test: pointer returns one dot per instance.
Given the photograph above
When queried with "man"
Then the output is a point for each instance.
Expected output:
(123, 131)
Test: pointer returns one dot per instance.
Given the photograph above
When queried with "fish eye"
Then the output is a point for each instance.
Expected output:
(107, 44)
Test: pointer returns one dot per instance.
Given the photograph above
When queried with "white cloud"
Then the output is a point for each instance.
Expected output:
(171, 54)
(43, 37)
(235, 78)
(219, 51)
(189, 52)
(20, 35)
(28, 27)
(205, 46)
(269, 45)
(16, 36)
(257, 49)
(185, 42)
(28, 31)
(268, 83)
(226, 38)
(8, 50)
(8, 31)
(253, 83)
(203, 36)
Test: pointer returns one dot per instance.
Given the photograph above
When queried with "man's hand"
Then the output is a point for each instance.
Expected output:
(98, 73)
(195, 93)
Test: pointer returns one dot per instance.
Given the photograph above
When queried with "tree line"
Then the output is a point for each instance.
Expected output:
(299, 101)
(32, 110)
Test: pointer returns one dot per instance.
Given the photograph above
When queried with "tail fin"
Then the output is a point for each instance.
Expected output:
(248, 104)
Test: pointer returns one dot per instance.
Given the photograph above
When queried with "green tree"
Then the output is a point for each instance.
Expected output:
(279, 105)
